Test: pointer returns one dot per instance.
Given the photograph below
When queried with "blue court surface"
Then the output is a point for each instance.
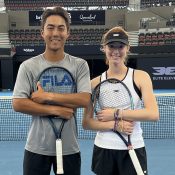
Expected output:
(159, 138)
(160, 152)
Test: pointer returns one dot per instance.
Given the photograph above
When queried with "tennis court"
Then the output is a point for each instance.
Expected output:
(159, 137)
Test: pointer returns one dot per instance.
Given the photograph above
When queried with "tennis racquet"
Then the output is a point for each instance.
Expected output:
(58, 80)
(113, 93)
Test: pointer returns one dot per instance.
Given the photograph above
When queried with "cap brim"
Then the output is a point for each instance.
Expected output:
(117, 40)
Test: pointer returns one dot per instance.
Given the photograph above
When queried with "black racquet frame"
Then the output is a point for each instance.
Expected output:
(57, 132)
(95, 96)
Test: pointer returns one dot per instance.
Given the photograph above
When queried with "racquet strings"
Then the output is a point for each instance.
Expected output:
(57, 79)
(111, 94)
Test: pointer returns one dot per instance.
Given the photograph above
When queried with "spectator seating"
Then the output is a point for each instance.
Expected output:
(25, 37)
(92, 36)
(156, 3)
(156, 38)
(39, 4)
(77, 36)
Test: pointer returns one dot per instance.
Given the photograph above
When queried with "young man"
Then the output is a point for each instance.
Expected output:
(110, 155)
(40, 150)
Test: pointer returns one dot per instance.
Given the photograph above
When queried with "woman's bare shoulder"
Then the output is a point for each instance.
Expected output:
(142, 78)
(140, 73)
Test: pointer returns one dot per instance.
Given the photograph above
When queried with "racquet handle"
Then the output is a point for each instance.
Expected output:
(59, 156)
(135, 162)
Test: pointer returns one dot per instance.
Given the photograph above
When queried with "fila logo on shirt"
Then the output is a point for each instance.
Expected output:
(53, 80)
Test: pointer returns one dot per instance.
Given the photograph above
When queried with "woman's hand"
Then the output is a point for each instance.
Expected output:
(105, 114)
(124, 126)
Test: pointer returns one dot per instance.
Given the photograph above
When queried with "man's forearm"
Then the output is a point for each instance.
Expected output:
(27, 106)
(74, 100)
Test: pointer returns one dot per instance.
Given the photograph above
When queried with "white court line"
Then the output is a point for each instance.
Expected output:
(164, 94)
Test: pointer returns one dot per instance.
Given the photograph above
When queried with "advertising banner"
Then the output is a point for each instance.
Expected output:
(80, 17)
(161, 70)
(90, 17)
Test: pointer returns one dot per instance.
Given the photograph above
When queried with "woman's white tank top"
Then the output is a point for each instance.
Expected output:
(110, 140)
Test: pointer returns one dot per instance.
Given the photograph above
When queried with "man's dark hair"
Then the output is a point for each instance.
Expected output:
(59, 11)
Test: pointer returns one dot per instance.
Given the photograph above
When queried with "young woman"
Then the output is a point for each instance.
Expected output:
(110, 155)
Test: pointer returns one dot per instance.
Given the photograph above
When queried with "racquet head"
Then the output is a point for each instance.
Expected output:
(112, 93)
(57, 79)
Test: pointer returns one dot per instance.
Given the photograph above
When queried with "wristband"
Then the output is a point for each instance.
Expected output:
(116, 113)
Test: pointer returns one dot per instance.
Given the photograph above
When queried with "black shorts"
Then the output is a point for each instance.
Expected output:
(110, 162)
(36, 164)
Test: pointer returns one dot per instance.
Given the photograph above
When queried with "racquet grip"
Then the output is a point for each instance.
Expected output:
(135, 162)
(59, 156)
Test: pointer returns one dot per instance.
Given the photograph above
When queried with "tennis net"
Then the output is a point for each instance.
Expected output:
(14, 126)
